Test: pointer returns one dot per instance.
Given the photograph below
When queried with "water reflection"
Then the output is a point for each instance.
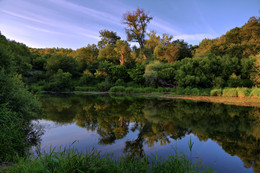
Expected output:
(234, 128)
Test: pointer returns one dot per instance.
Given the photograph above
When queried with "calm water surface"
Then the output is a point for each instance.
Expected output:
(226, 138)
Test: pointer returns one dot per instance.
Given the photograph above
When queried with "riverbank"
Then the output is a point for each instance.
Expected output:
(238, 101)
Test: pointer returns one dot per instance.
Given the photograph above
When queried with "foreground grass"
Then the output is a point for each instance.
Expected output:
(70, 160)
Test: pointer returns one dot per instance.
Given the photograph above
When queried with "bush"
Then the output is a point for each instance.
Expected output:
(161, 90)
(229, 92)
(243, 92)
(103, 86)
(205, 92)
(195, 91)
(120, 82)
(216, 92)
(36, 88)
(255, 92)
(129, 90)
(11, 137)
(180, 91)
(149, 90)
(61, 81)
(119, 89)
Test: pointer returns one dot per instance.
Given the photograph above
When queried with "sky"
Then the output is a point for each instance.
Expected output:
(76, 23)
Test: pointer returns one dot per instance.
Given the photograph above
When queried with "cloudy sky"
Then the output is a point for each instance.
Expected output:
(76, 23)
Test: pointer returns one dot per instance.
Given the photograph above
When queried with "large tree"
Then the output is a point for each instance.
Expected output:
(123, 49)
(107, 37)
(136, 23)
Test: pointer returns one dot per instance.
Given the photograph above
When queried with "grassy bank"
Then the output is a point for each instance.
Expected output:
(71, 160)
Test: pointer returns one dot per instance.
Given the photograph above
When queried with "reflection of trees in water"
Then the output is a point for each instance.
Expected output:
(235, 128)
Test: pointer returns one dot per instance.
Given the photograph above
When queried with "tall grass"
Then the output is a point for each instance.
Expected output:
(216, 92)
(71, 160)
(243, 92)
(12, 136)
(255, 92)
(229, 92)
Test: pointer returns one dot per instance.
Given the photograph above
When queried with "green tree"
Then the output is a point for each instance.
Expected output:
(136, 23)
(123, 49)
(86, 55)
(65, 63)
(107, 37)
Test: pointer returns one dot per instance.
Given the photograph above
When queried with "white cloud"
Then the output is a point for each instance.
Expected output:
(192, 37)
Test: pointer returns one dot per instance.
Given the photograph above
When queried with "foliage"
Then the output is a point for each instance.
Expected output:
(65, 63)
(119, 89)
(11, 136)
(216, 92)
(136, 74)
(118, 72)
(243, 92)
(229, 92)
(86, 55)
(61, 81)
(255, 92)
(136, 23)
(107, 37)
(92, 161)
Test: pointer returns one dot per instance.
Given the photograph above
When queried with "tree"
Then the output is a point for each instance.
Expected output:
(86, 55)
(108, 53)
(65, 63)
(136, 23)
(107, 37)
(123, 49)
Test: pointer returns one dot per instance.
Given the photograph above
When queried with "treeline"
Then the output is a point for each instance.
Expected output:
(233, 60)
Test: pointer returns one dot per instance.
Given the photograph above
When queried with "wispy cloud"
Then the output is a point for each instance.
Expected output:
(193, 37)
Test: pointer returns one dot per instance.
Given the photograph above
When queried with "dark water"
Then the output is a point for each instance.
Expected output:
(226, 138)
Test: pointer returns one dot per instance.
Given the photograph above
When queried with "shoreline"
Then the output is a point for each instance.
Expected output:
(237, 101)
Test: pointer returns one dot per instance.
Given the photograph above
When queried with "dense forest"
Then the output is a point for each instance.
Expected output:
(231, 60)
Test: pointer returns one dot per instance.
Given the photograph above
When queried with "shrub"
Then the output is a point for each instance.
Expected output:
(11, 137)
(119, 89)
(103, 86)
(255, 92)
(229, 92)
(195, 91)
(36, 88)
(61, 81)
(243, 92)
(129, 90)
(187, 91)
(120, 82)
(180, 91)
(205, 92)
(160, 90)
(149, 90)
(216, 92)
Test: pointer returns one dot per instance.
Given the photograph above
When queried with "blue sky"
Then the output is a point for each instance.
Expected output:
(76, 23)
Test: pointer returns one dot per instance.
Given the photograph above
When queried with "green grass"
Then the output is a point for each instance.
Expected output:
(243, 92)
(229, 92)
(11, 136)
(255, 92)
(36, 88)
(117, 89)
(70, 160)
(85, 88)
(216, 92)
